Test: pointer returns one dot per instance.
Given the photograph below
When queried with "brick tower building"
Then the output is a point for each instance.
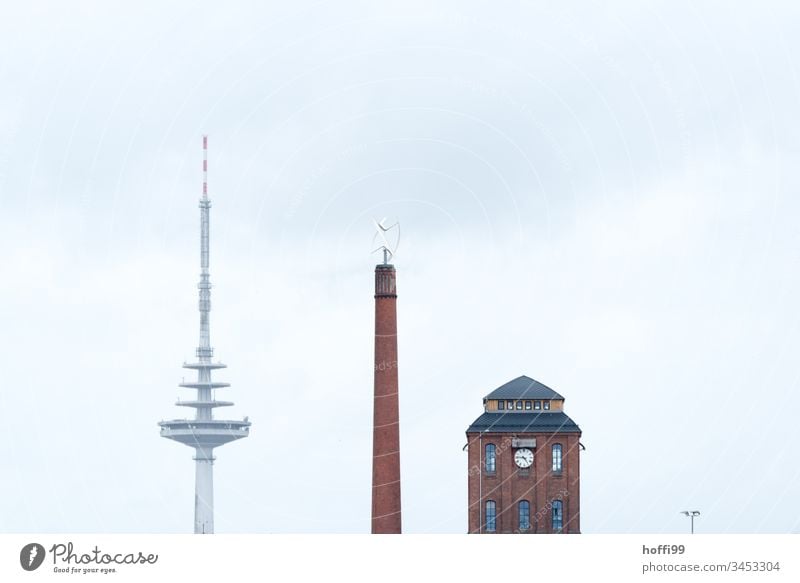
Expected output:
(386, 517)
(524, 462)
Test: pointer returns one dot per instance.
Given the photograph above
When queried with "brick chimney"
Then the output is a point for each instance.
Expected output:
(386, 518)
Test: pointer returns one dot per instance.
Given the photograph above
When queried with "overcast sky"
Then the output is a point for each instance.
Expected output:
(600, 195)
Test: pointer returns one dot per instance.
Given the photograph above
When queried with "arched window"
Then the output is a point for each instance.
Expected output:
(556, 458)
(491, 516)
(524, 515)
(558, 515)
(491, 464)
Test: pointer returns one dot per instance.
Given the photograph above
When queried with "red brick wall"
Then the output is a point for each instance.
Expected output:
(386, 517)
(508, 486)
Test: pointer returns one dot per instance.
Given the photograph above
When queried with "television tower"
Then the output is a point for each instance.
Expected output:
(204, 433)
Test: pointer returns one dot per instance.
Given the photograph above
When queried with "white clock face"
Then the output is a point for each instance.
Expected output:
(523, 458)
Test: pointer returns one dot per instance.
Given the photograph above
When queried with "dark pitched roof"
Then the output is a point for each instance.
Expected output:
(523, 388)
(544, 421)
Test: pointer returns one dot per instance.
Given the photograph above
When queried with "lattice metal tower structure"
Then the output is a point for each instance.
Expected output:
(204, 433)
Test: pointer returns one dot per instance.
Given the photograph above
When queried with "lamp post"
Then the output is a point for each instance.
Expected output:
(691, 514)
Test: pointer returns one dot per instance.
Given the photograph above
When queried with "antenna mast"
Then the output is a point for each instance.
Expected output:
(204, 350)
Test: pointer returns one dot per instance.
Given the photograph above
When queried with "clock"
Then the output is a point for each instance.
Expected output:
(523, 458)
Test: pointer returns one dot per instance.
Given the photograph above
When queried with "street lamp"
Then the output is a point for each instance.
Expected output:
(691, 514)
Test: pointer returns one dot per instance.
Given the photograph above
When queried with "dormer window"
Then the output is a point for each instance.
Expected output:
(537, 405)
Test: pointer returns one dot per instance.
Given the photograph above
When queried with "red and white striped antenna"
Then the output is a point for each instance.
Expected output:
(205, 166)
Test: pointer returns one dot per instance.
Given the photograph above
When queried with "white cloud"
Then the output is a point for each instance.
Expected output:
(611, 216)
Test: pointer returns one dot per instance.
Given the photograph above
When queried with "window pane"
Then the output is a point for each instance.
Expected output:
(524, 515)
(557, 457)
(558, 518)
(491, 517)
(509, 405)
(519, 404)
(537, 405)
(527, 405)
(501, 405)
(490, 459)
(547, 404)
